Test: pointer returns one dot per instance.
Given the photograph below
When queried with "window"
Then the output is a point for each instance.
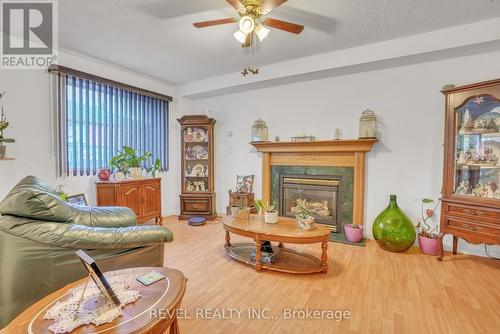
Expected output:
(95, 120)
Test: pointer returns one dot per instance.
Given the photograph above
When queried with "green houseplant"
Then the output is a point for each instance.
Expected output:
(4, 124)
(427, 228)
(271, 214)
(120, 164)
(156, 167)
(305, 218)
(269, 211)
(129, 161)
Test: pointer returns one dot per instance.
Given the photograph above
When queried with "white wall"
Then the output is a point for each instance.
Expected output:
(407, 100)
(28, 107)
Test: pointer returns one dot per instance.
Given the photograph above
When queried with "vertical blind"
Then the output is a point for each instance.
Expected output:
(96, 120)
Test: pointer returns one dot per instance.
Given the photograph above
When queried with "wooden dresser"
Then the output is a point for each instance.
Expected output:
(471, 181)
(141, 195)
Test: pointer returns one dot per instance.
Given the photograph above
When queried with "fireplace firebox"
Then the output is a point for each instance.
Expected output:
(319, 194)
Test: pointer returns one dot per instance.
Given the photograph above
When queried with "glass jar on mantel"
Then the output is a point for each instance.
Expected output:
(368, 125)
(259, 131)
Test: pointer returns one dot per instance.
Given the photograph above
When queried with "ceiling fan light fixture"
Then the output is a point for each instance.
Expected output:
(246, 24)
(261, 32)
(240, 36)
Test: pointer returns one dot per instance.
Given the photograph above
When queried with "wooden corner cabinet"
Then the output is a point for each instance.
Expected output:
(197, 167)
(143, 196)
(471, 182)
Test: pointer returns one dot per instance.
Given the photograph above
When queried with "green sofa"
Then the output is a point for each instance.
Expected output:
(40, 233)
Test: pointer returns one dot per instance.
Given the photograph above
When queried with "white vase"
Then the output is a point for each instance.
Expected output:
(271, 217)
(135, 172)
(119, 176)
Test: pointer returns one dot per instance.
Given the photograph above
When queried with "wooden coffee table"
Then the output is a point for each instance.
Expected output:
(285, 231)
(138, 317)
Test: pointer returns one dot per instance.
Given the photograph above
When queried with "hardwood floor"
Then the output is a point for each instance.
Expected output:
(384, 292)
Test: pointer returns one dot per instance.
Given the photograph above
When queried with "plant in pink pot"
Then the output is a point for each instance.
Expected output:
(427, 228)
(353, 232)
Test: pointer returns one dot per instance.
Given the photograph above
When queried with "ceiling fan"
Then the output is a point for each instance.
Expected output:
(251, 22)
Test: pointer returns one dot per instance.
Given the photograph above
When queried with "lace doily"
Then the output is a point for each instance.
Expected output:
(93, 308)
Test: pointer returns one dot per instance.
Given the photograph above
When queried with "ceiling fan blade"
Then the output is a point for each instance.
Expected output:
(236, 4)
(214, 23)
(270, 4)
(283, 25)
(248, 41)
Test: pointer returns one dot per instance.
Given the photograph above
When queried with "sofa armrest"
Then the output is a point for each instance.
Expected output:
(84, 237)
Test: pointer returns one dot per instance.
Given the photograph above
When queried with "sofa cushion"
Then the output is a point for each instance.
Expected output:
(31, 198)
(106, 216)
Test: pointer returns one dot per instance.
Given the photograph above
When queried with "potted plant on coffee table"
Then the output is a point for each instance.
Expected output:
(305, 218)
(353, 232)
(270, 214)
(427, 228)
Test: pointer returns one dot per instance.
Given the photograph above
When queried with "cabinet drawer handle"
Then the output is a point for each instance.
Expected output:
(473, 213)
(472, 227)
(195, 207)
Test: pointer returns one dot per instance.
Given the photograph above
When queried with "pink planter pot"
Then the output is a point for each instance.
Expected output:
(353, 234)
(428, 245)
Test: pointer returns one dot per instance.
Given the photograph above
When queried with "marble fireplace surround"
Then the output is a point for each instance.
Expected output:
(325, 153)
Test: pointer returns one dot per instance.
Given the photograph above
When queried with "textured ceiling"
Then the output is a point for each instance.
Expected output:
(156, 37)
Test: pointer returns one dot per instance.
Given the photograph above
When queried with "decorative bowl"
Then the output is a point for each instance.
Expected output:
(305, 223)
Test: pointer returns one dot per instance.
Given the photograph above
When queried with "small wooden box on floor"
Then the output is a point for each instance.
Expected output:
(143, 196)
(241, 199)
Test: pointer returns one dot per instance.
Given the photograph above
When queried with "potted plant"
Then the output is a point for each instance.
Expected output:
(156, 167)
(4, 124)
(120, 164)
(305, 218)
(61, 193)
(128, 161)
(353, 232)
(270, 214)
(259, 204)
(134, 161)
(427, 228)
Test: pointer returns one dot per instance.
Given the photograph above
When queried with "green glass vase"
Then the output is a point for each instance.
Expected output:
(392, 229)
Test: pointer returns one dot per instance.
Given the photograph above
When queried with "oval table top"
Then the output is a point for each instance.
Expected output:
(165, 294)
(285, 228)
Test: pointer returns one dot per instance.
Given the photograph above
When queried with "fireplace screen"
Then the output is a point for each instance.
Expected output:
(317, 193)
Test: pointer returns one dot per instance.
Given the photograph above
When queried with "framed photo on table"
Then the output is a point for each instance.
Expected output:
(98, 277)
(77, 200)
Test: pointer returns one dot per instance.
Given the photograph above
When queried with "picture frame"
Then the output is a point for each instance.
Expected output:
(98, 277)
(78, 199)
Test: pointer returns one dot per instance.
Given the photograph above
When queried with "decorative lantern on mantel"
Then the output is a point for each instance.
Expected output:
(259, 131)
(368, 125)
